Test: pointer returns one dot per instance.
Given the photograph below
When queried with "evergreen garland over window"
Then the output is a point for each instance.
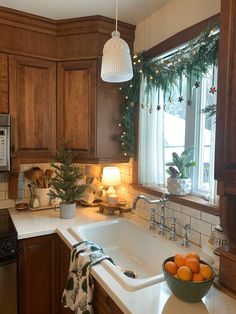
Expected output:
(194, 59)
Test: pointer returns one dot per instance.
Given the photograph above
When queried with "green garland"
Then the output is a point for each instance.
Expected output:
(194, 58)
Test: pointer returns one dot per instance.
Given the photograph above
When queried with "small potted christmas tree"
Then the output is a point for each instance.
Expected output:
(179, 182)
(65, 186)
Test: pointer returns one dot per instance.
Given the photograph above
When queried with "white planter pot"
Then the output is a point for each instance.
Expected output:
(178, 186)
(67, 211)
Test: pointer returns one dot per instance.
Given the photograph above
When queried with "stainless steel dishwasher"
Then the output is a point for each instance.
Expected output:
(8, 264)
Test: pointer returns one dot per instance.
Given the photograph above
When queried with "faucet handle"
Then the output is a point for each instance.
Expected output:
(185, 242)
(173, 234)
(163, 199)
(152, 219)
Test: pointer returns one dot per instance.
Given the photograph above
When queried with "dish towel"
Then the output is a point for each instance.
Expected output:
(78, 293)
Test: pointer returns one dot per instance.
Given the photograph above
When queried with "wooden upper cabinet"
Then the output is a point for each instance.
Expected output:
(225, 169)
(77, 106)
(32, 105)
(3, 83)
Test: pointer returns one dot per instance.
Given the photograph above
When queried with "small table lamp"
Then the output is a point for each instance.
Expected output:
(111, 178)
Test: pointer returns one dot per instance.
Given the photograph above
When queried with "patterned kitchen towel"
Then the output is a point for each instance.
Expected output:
(78, 293)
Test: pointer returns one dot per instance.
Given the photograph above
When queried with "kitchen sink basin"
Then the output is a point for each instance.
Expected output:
(137, 254)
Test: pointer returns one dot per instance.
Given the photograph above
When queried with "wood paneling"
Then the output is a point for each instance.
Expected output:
(77, 38)
(77, 105)
(33, 107)
(225, 157)
(3, 83)
(38, 280)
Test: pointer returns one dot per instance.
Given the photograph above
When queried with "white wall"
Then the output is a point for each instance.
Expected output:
(175, 16)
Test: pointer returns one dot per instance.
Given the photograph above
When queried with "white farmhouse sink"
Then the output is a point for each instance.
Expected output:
(130, 247)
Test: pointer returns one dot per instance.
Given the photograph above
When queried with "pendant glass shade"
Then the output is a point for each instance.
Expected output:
(116, 60)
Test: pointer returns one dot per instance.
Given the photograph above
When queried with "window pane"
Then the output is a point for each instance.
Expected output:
(175, 122)
(206, 135)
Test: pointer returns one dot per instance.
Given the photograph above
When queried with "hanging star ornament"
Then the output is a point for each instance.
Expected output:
(158, 108)
(212, 90)
(180, 99)
(189, 103)
(197, 84)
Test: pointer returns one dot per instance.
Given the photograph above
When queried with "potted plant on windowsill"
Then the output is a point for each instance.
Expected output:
(179, 182)
(65, 183)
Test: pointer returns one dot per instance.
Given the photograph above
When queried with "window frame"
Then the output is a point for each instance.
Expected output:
(171, 43)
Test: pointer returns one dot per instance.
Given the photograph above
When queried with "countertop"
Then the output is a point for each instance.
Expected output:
(155, 299)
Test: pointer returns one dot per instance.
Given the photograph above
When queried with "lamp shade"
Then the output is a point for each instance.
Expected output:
(111, 176)
(116, 60)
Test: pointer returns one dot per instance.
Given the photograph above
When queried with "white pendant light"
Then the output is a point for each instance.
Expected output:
(116, 59)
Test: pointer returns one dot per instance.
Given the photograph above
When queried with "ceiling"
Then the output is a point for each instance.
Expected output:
(130, 11)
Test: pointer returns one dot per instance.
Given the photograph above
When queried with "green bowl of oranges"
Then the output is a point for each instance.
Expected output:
(188, 277)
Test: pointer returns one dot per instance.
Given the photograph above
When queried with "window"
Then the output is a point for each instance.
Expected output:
(169, 123)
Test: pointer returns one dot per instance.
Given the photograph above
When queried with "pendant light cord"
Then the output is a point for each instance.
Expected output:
(116, 13)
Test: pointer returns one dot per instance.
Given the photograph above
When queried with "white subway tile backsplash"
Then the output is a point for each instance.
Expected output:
(204, 240)
(200, 226)
(2, 195)
(182, 218)
(174, 206)
(191, 212)
(195, 237)
(215, 220)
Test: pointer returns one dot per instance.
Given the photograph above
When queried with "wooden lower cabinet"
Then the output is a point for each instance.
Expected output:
(103, 303)
(43, 264)
(38, 280)
(64, 268)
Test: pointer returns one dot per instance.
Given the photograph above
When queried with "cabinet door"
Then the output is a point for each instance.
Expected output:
(32, 103)
(77, 105)
(64, 270)
(3, 83)
(38, 282)
(103, 303)
(226, 103)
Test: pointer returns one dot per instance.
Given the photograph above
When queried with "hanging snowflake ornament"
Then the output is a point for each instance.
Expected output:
(213, 90)
(180, 99)
(170, 98)
(158, 108)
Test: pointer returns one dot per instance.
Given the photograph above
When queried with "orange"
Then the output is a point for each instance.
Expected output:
(171, 267)
(197, 277)
(184, 273)
(193, 264)
(193, 255)
(206, 271)
(180, 260)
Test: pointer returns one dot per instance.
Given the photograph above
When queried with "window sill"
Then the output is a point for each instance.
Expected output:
(192, 201)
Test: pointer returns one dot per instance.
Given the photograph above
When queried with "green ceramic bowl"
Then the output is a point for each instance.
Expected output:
(187, 290)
